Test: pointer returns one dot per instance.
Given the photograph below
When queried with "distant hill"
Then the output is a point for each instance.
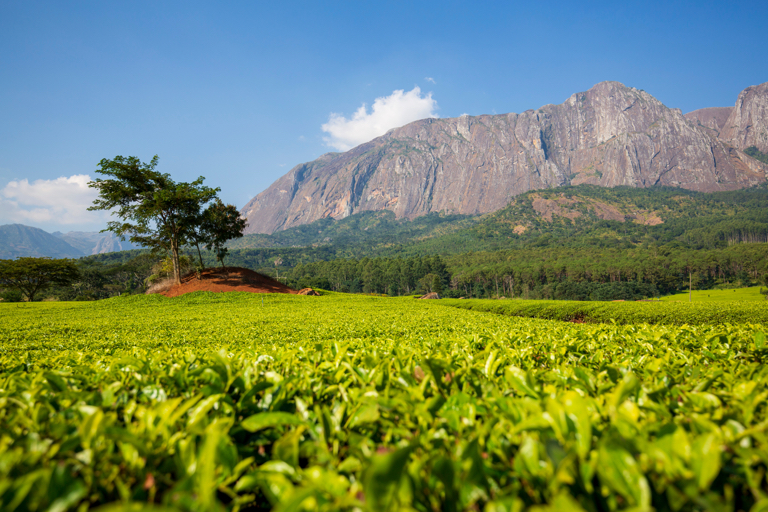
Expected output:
(17, 240)
(94, 242)
(589, 215)
(576, 216)
(369, 229)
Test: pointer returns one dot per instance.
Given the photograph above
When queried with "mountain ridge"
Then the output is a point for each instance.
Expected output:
(609, 135)
(19, 240)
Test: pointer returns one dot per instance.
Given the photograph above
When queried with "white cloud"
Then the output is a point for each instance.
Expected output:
(430, 80)
(397, 109)
(60, 202)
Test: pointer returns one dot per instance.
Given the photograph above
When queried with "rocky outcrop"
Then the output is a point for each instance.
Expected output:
(610, 135)
(94, 242)
(747, 124)
(713, 118)
(573, 208)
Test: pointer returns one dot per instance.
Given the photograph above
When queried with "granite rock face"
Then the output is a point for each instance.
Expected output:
(748, 123)
(713, 118)
(609, 135)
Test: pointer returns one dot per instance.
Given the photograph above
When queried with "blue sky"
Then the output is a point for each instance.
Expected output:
(239, 92)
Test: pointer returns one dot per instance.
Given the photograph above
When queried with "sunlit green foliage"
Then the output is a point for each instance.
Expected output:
(217, 402)
(751, 294)
(655, 312)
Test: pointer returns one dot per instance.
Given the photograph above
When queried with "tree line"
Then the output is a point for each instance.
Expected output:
(533, 273)
(544, 273)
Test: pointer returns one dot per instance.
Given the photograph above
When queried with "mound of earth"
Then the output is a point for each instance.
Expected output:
(233, 279)
(307, 291)
(430, 295)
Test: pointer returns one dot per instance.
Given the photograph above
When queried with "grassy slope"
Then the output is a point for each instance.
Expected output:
(625, 313)
(750, 294)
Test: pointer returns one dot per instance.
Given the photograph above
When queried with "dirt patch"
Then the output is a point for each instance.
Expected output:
(546, 208)
(648, 218)
(307, 291)
(233, 279)
(430, 295)
(607, 212)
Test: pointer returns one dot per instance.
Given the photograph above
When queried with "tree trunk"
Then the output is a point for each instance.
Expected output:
(175, 259)
(200, 255)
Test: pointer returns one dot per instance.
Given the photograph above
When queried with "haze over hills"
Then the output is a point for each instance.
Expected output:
(610, 135)
(94, 242)
(18, 240)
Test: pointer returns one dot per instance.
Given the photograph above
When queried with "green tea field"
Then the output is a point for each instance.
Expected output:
(752, 294)
(345, 402)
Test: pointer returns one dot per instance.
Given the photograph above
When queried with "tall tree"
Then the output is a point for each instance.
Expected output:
(33, 275)
(156, 211)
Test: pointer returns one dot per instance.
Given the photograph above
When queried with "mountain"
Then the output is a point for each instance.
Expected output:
(747, 125)
(94, 242)
(713, 118)
(610, 135)
(17, 240)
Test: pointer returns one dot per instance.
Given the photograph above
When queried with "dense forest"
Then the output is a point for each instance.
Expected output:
(545, 273)
(576, 273)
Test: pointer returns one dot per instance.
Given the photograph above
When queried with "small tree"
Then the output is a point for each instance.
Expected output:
(31, 276)
(156, 211)
(219, 223)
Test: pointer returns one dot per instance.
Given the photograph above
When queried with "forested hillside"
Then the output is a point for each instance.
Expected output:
(580, 216)
(584, 242)
(370, 229)
(625, 217)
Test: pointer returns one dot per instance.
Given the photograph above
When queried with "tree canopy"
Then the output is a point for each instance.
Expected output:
(155, 211)
(33, 275)
(220, 222)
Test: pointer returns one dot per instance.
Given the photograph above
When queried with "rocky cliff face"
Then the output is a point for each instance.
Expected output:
(748, 123)
(610, 135)
(713, 118)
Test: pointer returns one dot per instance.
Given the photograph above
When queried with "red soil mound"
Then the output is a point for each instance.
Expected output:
(233, 279)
